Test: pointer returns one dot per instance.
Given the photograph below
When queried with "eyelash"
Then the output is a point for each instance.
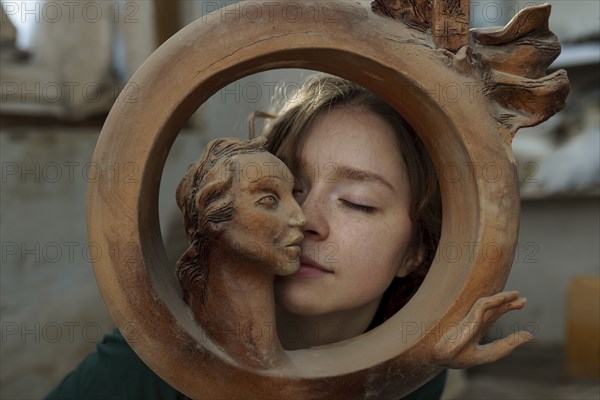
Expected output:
(358, 207)
(353, 206)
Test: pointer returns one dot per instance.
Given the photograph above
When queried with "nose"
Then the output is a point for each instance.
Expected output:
(297, 219)
(314, 209)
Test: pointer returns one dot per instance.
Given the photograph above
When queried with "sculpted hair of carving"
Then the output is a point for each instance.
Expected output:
(204, 197)
(323, 92)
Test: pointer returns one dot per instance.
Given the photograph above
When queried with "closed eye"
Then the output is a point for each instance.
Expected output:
(358, 207)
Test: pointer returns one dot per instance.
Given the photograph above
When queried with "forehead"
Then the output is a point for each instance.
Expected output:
(343, 134)
(353, 137)
(262, 168)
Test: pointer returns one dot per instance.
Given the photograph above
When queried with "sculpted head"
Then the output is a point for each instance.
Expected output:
(237, 200)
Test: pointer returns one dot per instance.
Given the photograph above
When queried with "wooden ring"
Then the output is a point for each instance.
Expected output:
(402, 66)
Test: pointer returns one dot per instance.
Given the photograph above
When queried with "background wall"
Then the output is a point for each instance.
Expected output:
(51, 312)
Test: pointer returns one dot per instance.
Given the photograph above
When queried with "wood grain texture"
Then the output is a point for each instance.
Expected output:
(448, 20)
(450, 23)
(512, 62)
(414, 13)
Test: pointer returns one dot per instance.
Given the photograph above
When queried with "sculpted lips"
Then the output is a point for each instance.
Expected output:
(293, 249)
(297, 240)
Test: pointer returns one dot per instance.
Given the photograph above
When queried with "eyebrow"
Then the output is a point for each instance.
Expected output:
(265, 178)
(264, 184)
(345, 172)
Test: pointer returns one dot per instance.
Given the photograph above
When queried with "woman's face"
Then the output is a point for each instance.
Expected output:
(267, 223)
(354, 191)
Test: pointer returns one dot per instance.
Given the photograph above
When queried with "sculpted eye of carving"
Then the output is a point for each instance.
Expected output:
(270, 201)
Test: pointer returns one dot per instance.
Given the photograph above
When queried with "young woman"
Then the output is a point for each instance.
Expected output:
(372, 224)
(371, 232)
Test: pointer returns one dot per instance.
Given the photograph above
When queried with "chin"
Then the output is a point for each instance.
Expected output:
(288, 271)
(299, 305)
(287, 267)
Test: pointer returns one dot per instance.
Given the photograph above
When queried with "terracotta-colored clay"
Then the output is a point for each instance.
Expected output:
(243, 229)
(447, 20)
(512, 63)
(466, 105)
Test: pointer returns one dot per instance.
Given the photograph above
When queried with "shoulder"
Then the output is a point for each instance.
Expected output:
(114, 371)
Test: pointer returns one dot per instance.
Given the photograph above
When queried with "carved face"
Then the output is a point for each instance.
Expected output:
(354, 192)
(267, 223)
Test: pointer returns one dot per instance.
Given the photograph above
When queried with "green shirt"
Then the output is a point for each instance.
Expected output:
(114, 371)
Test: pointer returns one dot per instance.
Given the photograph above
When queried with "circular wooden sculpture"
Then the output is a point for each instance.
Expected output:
(464, 99)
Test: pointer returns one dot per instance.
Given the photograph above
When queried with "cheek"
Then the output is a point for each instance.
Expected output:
(362, 259)
(400, 236)
(266, 226)
(377, 250)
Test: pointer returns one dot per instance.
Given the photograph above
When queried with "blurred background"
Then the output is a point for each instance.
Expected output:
(62, 66)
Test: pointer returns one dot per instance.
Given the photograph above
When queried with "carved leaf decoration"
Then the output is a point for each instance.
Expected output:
(526, 102)
(512, 62)
(414, 13)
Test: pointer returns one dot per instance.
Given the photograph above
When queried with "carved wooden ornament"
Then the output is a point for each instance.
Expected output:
(464, 94)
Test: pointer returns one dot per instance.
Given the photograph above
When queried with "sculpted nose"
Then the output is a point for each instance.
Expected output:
(297, 218)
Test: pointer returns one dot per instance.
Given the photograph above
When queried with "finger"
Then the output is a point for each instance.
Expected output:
(482, 315)
(501, 348)
(479, 313)
(499, 298)
(487, 303)
(492, 315)
(476, 355)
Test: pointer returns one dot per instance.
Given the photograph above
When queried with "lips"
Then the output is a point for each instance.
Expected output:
(311, 268)
(296, 241)
(293, 249)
